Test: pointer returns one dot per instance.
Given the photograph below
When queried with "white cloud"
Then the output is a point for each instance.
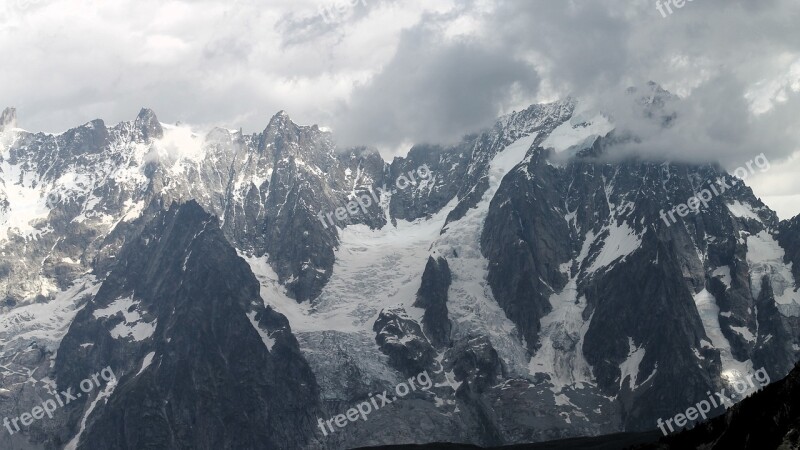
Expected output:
(208, 62)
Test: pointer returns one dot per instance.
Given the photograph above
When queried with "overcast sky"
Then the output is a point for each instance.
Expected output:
(387, 73)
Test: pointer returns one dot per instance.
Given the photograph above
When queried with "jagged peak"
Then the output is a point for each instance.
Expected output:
(279, 120)
(147, 122)
(561, 109)
(281, 127)
(146, 114)
(95, 124)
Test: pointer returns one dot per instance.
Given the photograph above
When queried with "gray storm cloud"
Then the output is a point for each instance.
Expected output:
(723, 59)
(434, 93)
(385, 72)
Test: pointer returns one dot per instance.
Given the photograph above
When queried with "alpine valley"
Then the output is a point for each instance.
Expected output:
(530, 275)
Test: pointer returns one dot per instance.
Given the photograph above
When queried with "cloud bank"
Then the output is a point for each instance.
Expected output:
(384, 72)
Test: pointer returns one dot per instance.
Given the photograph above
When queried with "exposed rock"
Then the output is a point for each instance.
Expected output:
(402, 339)
(432, 296)
(179, 320)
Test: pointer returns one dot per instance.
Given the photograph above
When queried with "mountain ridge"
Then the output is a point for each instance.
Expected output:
(534, 280)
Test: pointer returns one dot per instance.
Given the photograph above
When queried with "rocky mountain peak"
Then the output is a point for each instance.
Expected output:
(279, 121)
(148, 124)
(285, 139)
(280, 128)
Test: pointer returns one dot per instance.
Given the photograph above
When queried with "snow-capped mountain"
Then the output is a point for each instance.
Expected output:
(531, 276)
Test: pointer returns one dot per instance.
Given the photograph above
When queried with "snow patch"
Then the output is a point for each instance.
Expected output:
(104, 394)
(745, 333)
(766, 258)
(560, 354)
(133, 326)
(630, 367)
(742, 210)
(133, 210)
(265, 337)
(148, 359)
(45, 323)
(724, 275)
(709, 314)
(374, 270)
(621, 241)
(580, 131)
(27, 202)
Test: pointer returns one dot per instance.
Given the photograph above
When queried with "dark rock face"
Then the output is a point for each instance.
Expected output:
(523, 276)
(432, 296)
(475, 363)
(768, 420)
(365, 175)
(300, 247)
(402, 339)
(540, 213)
(477, 366)
(180, 320)
(426, 196)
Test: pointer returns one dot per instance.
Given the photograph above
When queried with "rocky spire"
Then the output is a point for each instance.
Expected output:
(278, 123)
(148, 124)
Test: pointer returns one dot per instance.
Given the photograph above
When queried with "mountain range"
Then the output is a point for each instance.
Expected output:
(530, 274)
